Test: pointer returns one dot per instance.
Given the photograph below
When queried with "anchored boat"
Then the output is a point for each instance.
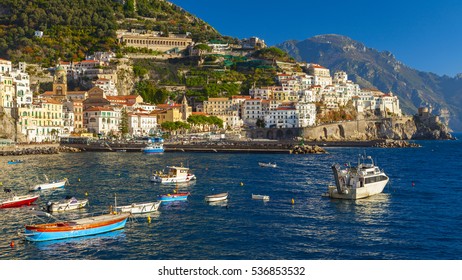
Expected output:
(66, 205)
(355, 182)
(216, 197)
(18, 201)
(76, 228)
(49, 185)
(175, 174)
(139, 208)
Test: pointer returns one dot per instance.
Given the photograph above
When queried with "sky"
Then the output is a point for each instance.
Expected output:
(424, 35)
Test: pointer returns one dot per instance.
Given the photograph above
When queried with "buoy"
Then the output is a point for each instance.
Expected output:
(86, 194)
(413, 184)
(79, 179)
(12, 244)
(149, 219)
(293, 201)
(1, 183)
(242, 184)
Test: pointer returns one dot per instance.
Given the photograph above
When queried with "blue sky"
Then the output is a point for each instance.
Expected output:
(425, 35)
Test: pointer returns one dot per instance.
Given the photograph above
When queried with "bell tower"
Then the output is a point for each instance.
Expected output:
(60, 82)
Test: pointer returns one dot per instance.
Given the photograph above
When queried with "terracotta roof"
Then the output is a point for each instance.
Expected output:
(199, 114)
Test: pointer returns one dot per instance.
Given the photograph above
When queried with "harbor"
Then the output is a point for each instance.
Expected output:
(242, 226)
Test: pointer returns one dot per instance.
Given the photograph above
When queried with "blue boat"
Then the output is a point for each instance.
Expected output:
(15, 161)
(155, 145)
(173, 196)
(76, 228)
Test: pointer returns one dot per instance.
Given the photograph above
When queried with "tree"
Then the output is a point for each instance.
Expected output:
(261, 123)
(123, 125)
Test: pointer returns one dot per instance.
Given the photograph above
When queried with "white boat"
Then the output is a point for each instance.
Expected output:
(361, 181)
(66, 205)
(155, 145)
(139, 208)
(216, 197)
(49, 185)
(175, 174)
(267, 164)
(260, 197)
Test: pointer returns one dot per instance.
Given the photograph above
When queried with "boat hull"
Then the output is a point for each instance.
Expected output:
(173, 197)
(48, 186)
(77, 228)
(66, 206)
(172, 180)
(153, 151)
(357, 193)
(216, 197)
(260, 197)
(139, 208)
(19, 201)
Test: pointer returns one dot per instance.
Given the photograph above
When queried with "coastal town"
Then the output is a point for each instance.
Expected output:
(297, 100)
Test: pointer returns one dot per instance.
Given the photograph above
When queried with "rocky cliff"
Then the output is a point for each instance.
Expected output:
(7, 127)
(403, 128)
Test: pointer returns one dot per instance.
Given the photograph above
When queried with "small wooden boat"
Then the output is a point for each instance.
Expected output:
(49, 185)
(76, 228)
(139, 208)
(15, 161)
(18, 201)
(216, 197)
(174, 196)
(66, 205)
(260, 197)
(267, 164)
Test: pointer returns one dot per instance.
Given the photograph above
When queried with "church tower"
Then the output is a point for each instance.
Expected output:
(185, 109)
(60, 82)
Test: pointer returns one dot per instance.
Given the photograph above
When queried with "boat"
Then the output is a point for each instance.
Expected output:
(49, 185)
(71, 203)
(260, 197)
(216, 197)
(176, 196)
(18, 201)
(356, 182)
(139, 208)
(155, 145)
(267, 164)
(76, 228)
(15, 161)
(175, 174)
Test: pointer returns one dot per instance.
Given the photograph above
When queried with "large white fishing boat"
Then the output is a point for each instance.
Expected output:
(354, 182)
(175, 174)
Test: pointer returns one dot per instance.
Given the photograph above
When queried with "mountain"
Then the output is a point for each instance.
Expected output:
(371, 68)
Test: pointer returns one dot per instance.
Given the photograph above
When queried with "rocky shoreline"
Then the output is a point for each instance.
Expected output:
(36, 150)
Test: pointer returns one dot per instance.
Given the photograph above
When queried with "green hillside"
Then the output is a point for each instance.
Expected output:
(74, 28)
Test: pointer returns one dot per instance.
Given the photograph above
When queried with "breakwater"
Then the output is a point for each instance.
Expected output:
(21, 150)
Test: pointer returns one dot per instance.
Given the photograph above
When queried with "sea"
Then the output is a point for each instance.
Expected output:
(417, 217)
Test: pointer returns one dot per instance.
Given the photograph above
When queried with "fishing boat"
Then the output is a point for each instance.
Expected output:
(71, 203)
(155, 145)
(267, 164)
(355, 182)
(216, 197)
(18, 201)
(176, 196)
(175, 174)
(76, 228)
(139, 208)
(49, 185)
(15, 161)
(260, 197)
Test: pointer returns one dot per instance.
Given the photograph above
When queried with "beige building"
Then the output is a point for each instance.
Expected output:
(153, 40)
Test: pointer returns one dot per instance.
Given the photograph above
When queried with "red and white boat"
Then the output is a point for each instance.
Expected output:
(18, 201)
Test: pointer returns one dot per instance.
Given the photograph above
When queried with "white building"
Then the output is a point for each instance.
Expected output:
(108, 86)
(252, 111)
(140, 123)
(102, 120)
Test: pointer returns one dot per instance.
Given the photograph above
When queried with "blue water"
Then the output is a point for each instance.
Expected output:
(419, 215)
